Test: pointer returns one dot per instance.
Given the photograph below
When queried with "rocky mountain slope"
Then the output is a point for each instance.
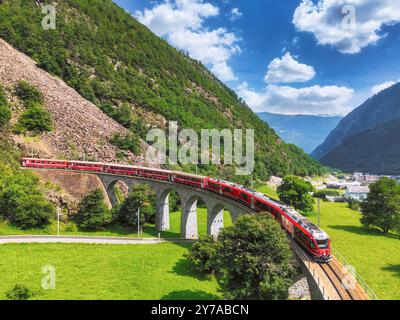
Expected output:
(368, 138)
(305, 131)
(81, 128)
(137, 79)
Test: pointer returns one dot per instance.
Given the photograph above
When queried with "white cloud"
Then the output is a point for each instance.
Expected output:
(235, 14)
(382, 86)
(287, 70)
(290, 100)
(333, 23)
(181, 22)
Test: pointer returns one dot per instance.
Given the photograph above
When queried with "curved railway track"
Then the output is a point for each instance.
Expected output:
(333, 279)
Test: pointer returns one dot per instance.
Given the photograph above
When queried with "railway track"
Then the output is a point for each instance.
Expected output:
(333, 279)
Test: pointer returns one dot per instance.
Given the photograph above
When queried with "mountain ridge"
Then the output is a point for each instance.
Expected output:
(367, 116)
(305, 131)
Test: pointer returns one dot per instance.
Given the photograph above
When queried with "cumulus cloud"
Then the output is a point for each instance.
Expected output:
(287, 69)
(289, 100)
(181, 22)
(348, 25)
(382, 86)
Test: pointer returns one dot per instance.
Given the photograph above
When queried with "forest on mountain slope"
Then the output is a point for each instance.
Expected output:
(118, 64)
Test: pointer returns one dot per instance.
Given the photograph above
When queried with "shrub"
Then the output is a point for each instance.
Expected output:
(327, 192)
(354, 204)
(28, 94)
(19, 292)
(93, 214)
(5, 112)
(34, 212)
(36, 119)
(202, 255)
(127, 142)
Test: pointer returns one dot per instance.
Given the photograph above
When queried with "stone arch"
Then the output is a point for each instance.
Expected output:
(215, 219)
(114, 200)
(189, 228)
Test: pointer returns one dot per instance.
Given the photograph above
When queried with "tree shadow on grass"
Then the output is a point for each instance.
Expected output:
(393, 268)
(182, 268)
(190, 295)
(364, 231)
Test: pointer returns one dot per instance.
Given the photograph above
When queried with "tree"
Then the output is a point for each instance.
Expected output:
(93, 214)
(33, 212)
(202, 255)
(296, 192)
(382, 206)
(21, 200)
(254, 260)
(137, 199)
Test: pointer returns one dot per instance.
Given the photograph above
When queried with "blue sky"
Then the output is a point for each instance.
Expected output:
(286, 56)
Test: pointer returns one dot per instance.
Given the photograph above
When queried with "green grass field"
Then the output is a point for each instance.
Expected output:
(104, 271)
(375, 256)
(149, 230)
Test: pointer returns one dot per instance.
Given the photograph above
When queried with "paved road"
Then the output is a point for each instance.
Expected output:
(84, 240)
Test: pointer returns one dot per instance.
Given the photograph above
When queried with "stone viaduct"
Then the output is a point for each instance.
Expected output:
(189, 196)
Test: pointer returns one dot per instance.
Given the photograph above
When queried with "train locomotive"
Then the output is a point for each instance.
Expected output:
(310, 237)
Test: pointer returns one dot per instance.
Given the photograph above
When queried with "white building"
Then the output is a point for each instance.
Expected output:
(359, 193)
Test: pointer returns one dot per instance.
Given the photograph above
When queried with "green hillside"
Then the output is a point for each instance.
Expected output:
(118, 64)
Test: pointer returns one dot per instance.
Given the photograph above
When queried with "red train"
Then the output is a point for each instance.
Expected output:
(314, 240)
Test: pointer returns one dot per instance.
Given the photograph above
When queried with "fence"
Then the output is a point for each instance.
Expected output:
(356, 275)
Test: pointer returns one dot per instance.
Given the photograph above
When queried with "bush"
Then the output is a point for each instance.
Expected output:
(327, 192)
(33, 212)
(202, 255)
(28, 94)
(254, 260)
(354, 204)
(93, 214)
(5, 112)
(127, 142)
(19, 292)
(36, 119)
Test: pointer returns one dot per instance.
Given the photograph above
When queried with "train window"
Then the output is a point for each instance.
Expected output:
(323, 244)
(312, 244)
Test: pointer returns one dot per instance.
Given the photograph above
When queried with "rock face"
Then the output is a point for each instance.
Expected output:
(81, 128)
(73, 187)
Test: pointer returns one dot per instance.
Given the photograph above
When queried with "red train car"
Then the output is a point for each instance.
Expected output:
(156, 174)
(189, 179)
(86, 166)
(121, 169)
(44, 163)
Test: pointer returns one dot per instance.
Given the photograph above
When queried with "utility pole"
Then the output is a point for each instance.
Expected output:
(319, 212)
(138, 222)
(58, 221)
